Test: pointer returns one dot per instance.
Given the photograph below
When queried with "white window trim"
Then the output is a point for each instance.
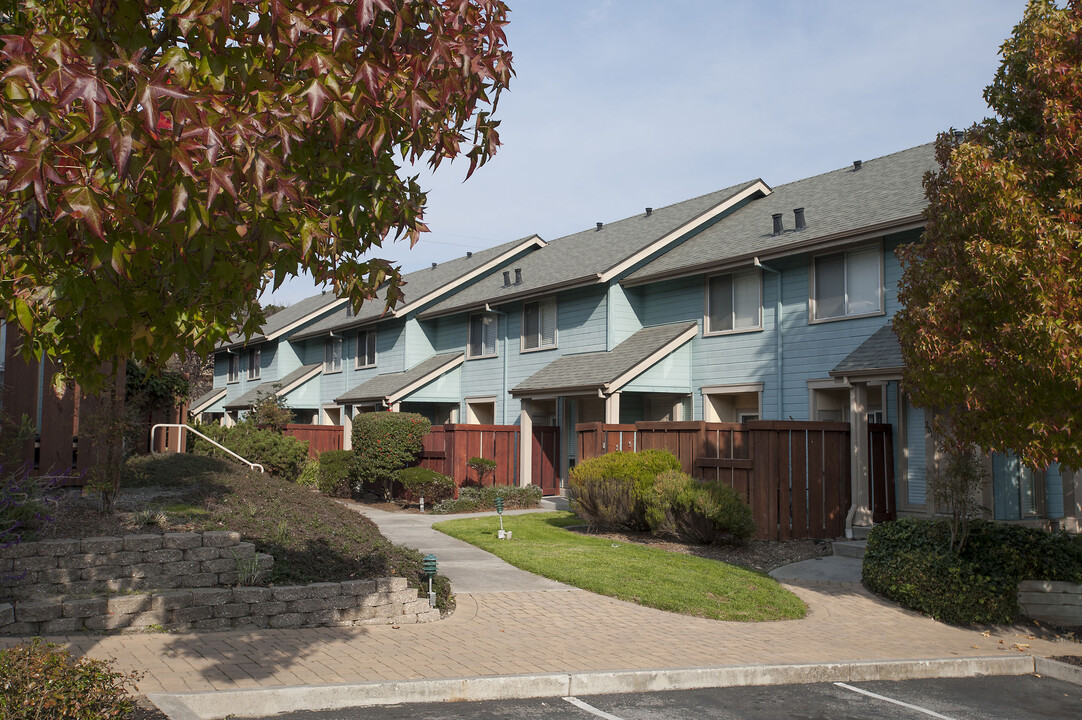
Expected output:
(230, 376)
(357, 356)
(469, 343)
(254, 372)
(327, 369)
(522, 334)
(812, 320)
(707, 332)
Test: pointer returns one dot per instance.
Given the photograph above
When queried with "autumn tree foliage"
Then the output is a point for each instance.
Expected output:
(991, 326)
(161, 161)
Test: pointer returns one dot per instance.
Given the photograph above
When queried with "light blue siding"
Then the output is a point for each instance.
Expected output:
(670, 375)
(306, 397)
(288, 357)
(420, 339)
(390, 354)
(445, 388)
(625, 310)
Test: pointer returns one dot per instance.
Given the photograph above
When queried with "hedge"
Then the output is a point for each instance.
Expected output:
(480, 499)
(283, 456)
(384, 442)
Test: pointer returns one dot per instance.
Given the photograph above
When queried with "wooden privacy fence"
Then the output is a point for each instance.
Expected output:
(447, 449)
(793, 475)
(321, 438)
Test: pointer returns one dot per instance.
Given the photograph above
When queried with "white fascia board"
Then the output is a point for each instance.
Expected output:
(285, 389)
(533, 241)
(218, 394)
(755, 188)
(330, 307)
(651, 360)
(424, 380)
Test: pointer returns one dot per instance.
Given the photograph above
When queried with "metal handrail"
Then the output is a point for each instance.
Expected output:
(216, 444)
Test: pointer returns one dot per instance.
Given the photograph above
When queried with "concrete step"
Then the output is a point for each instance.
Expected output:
(555, 502)
(850, 548)
(861, 533)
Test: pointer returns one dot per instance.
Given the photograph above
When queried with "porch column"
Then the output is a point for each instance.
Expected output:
(861, 513)
(612, 409)
(525, 444)
(346, 413)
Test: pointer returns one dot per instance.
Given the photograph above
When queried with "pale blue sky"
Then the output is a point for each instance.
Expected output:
(622, 104)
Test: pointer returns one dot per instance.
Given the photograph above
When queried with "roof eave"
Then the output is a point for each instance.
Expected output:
(582, 281)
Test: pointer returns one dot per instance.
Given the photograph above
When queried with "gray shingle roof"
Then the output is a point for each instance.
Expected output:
(416, 285)
(283, 318)
(249, 398)
(596, 370)
(878, 354)
(885, 190)
(207, 399)
(578, 258)
(382, 387)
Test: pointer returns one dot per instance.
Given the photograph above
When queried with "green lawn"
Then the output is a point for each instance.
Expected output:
(668, 581)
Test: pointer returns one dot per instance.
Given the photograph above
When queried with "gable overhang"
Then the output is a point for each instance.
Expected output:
(209, 401)
(424, 380)
(757, 188)
(826, 242)
(297, 382)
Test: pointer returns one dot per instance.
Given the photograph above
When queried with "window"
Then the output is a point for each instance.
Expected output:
(734, 302)
(847, 284)
(253, 363)
(332, 355)
(233, 374)
(482, 335)
(366, 349)
(539, 324)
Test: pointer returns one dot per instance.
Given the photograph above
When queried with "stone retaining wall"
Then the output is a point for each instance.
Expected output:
(35, 570)
(355, 602)
(193, 581)
(1058, 603)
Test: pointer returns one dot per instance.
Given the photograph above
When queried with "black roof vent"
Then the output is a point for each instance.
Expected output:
(599, 225)
(800, 222)
(507, 278)
(469, 254)
(856, 165)
(518, 276)
(777, 224)
(648, 211)
(433, 264)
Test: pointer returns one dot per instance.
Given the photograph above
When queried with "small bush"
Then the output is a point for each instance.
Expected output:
(43, 681)
(703, 512)
(483, 467)
(607, 490)
(910, 562)
(473, 499)
(383, 443)
(419, 482)
(335, 469)
(283, 456)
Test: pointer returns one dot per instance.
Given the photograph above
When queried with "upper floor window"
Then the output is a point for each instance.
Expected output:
(233, 373)
(539, 324)
(734, 302)
(847, 284)
(332, 355)
(366, 349)
(253, 363)
(482, 341)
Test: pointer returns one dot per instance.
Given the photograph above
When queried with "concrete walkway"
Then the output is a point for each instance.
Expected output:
(513, 635)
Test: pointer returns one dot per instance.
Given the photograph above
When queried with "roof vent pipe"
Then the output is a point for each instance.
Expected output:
(800, 222)
(469, 254)
(507, 278)
(856, 165)
(433, 264)
(777, 224)
(518, 276)
(648, 211)
(599, 225)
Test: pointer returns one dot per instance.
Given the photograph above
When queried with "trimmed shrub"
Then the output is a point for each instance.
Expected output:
(482, 466)
(384, 442)
(281, 455)
(44, 681)
(703, 512)
(909, 561)
(474, 499)
(335, 469)
(605, 490)
(419, 482)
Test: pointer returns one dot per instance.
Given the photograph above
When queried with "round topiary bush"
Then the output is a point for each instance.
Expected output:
(384, 442)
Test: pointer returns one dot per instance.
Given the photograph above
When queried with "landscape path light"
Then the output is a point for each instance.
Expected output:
(499, 511)
(428, 566)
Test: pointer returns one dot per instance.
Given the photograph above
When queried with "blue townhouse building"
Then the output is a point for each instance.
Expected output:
(751, 302)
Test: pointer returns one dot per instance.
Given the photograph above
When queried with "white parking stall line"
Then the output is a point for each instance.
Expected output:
(591, 709)
(918, 708)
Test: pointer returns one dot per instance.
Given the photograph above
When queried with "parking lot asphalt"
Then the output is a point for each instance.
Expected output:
(981, 698)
